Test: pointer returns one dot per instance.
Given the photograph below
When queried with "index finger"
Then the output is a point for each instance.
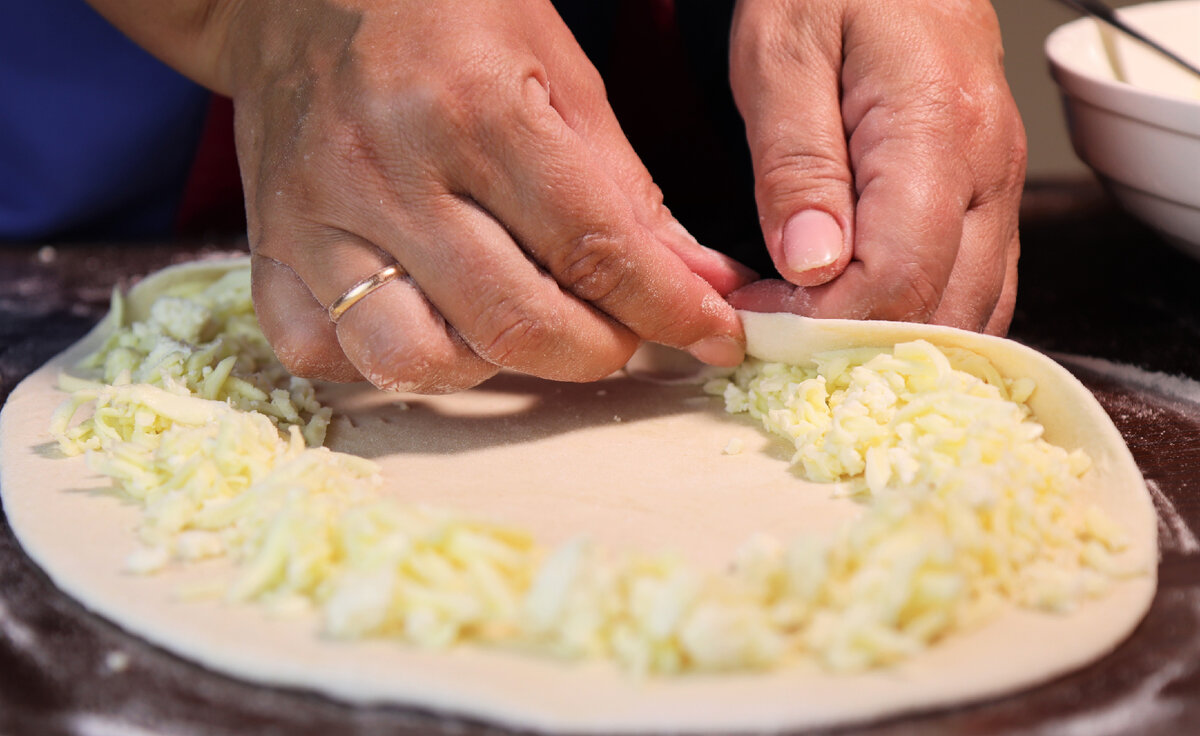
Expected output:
(565, 209)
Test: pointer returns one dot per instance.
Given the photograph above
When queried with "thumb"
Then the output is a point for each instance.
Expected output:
(785, 79)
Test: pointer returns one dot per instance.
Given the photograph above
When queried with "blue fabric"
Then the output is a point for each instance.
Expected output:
(96, 136)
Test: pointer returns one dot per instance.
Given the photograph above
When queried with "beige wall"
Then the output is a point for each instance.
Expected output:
(1025, 24)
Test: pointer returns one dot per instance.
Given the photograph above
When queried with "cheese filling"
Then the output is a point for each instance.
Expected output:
(965, 507)
(200, 339)
(965, 504)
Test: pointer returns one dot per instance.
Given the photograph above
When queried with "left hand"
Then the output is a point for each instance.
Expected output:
(889, 158)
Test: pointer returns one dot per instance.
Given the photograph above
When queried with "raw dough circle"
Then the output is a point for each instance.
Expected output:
(634, 465)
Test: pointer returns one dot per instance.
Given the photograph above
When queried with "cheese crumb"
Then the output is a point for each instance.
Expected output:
(116, 661)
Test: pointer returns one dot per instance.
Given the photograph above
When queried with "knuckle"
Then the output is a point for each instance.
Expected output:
(516, 333)
(511, 328)
(912, 294)
(593, 267)
(395, 365)
(787, 173)
(486, 101)
(421, 366)
(421, 358)
(1013, 177)
(1003, 155)
(972, 111)
(760, 49)
(516, 338)
(746, 52)
(651, 195)
(1019, 160)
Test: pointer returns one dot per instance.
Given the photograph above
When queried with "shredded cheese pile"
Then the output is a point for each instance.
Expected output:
(966, 503)
(306, 526)
(965, 506)
(199, 339)
(309, 528)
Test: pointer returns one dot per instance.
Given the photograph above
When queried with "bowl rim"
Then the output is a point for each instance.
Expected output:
(1174, 112)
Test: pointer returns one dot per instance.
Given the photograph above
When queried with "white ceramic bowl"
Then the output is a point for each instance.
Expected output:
(1138, 124)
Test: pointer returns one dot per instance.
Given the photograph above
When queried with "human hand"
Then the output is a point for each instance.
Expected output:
(472, 143)
(889, 158)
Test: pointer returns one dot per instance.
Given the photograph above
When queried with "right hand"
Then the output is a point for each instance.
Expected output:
(472, 143)
(889, 158)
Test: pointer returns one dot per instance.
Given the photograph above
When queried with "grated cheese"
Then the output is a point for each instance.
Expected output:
(965, 506)
(202, 340)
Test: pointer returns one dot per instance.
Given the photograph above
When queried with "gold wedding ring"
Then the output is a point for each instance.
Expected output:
(359, 291)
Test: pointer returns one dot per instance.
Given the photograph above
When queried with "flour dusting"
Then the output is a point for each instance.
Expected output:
(1174, 534)
(96, 724)
(1179, 388)
(1147, 705)
(16, 631)
(1182, 395)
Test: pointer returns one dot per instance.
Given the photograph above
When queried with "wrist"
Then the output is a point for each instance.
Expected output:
(269, 42)
(187, 35)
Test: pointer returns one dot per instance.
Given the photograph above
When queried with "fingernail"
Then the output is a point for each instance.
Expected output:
(811, 239)
(719, 350)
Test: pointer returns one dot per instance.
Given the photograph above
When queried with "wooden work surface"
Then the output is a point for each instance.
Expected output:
(1094, 284)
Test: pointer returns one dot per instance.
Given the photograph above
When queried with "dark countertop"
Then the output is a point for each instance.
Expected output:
(1094, 283)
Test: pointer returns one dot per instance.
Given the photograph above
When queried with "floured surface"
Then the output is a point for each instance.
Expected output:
(555, 459)
(633, 464)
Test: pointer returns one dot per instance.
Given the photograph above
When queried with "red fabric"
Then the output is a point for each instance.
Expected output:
(212, 197)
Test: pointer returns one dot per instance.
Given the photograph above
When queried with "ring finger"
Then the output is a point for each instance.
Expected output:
(392, 336)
